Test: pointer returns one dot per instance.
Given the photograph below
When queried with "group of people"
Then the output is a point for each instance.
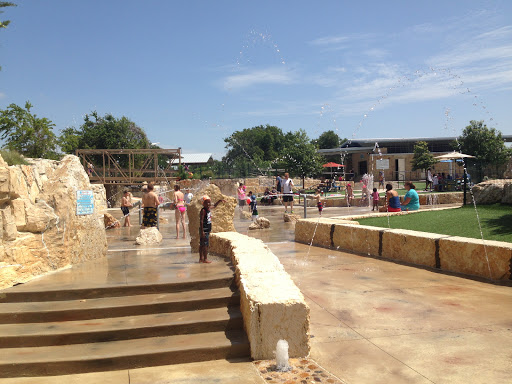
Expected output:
(411, 201)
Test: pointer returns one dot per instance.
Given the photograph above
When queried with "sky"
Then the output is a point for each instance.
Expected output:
(191, 73)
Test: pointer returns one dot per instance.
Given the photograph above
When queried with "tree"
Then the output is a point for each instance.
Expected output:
(69, 140)
(257, 147)
(5, 23)
(26, 133)
(300, 156)
(422, 159)
(486, 144)
(328, 140)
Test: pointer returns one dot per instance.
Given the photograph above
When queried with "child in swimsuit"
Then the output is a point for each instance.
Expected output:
(179, 202)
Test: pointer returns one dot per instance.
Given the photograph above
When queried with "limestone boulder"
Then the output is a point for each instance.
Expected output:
(290, 218)
(260, 223)
(148, 236)
(493, 191)
(222, 215)
(245, 215)
(40, 228)
(110, 221)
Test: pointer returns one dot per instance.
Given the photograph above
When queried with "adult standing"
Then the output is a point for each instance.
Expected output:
(392, 200)
(287, 190)
(150, 203)
(429, 181)
(411, 198)
(241, 196)
(180, 211)
(279, 180)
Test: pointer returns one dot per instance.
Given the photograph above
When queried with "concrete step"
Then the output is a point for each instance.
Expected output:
(124, 354)
(142, 304)
(120, 328)
(38, 292)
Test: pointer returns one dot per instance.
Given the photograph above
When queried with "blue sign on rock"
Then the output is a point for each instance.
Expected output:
(84, 203)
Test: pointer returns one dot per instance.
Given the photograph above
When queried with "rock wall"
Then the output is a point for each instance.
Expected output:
(487, 259)
(39, 228)
(222, 216)
(272, 306)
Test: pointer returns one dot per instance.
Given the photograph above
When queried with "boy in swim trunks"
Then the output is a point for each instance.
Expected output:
(126, 204)
(205, 227)
(318, 198)
(150, 203)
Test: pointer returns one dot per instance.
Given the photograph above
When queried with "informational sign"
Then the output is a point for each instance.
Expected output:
(382, 164)
(84, 203)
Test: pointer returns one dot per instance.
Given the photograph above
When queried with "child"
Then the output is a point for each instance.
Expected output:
(376, 197)
(349, 194)
(252, 199)
(205, 227)
(126, 204)
(318, 198)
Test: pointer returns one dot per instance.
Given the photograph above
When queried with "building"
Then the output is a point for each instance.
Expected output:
(394, 157)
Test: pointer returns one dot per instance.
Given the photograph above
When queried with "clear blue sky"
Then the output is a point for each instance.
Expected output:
(192, 72)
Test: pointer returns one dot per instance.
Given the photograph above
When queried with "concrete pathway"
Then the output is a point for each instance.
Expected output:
(372, 321)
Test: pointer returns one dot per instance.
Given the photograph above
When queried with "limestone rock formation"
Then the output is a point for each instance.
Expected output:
(110, 221)
(291, 218)
(222, 216)
(245, 215)
(148, 236)
(260, 223)
(40, 230)
(493, 191)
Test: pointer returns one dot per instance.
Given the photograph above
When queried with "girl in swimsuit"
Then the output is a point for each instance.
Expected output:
(181, 209)
(392, 200)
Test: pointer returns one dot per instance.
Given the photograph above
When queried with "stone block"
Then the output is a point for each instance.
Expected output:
(357, 238)
(18, 186)
(39, 217)
(315, 231)
(18, 212)
(272, 306)
(4, 182)
(410, 246)
(469, 256)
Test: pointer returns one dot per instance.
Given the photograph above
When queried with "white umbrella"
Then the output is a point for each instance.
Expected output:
(453, 156)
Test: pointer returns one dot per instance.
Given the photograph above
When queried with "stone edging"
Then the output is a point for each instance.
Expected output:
(272, 306)
(447, 253)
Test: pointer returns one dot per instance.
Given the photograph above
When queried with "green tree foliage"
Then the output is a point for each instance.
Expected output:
(259, 147)
(3, 4)
(105, 132)
(5, 23)
(328, 140)
(300, 156)
(26, 133)
(486, 144)
(422, 159)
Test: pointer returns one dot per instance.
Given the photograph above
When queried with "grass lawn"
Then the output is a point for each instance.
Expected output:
(496, 221)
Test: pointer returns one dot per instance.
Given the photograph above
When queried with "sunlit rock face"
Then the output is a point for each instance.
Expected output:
(40, 230)
(493, 191)
(149, 236)
(222, 216)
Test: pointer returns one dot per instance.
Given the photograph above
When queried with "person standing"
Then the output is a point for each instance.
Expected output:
(180, 211)
(241, 196)
(126, 204)
(429, 181)
(287, 190)
(205, 227)
(279, 180)
(150, 203)
(375, 198)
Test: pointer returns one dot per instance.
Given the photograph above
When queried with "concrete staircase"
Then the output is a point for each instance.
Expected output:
(100, 328)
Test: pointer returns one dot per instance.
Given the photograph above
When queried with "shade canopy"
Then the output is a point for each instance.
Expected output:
(454, 156)
(332, 165)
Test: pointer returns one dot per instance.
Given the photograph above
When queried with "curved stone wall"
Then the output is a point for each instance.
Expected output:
(486, 259)
(273, 307)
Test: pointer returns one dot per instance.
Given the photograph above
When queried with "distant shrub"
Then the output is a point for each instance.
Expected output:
(13, 157)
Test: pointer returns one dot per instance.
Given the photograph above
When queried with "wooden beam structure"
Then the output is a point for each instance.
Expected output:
(130, 166)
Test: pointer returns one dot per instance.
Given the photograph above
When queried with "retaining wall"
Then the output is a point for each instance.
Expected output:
(487, 259)
(273, 307)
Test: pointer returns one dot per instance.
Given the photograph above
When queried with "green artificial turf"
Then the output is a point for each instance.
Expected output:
(496, 222)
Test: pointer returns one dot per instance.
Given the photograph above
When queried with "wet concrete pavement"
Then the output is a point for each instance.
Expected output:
(372, 321)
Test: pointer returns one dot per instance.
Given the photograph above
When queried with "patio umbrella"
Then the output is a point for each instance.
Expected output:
(457, 156)
(332, 165)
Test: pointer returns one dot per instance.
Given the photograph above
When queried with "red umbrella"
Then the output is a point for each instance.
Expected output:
(331, 165)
